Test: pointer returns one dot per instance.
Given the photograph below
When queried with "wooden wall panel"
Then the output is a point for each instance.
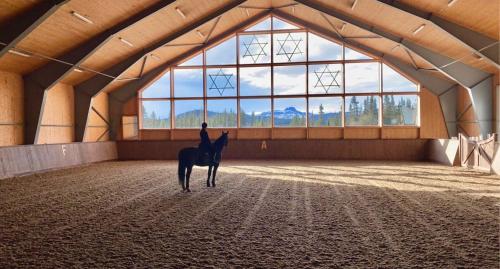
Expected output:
(325, 133)
(400, 133)
(289, 133)
(11, 109)
(257, 133)
(154, 135)
(130, 127)
(130, 108)
(97, 128)
(362, 133)
(377, 149)
(432, 124)
(58, 116)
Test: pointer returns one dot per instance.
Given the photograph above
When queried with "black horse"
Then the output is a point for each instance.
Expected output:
(192, 156)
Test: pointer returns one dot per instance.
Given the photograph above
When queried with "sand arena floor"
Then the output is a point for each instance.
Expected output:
(312, 214)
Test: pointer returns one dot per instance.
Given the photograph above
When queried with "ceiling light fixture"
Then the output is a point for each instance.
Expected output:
(126, 42)
(293, 9)
(78, 70)
(81, 17)
(418, 29)
(354, 4)
(477, 56)
(19, 53)
(156, 57)
(343, 26)
(200, 34)
(180, 12)
(248, 12)
(452, 2)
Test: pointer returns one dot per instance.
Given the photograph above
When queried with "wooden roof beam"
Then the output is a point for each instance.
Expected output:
(478, 43)
(45, 77)
(85, 91)
(15, 30)
(477, 82)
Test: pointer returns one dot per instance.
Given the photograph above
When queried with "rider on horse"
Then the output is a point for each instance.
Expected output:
(205, 145)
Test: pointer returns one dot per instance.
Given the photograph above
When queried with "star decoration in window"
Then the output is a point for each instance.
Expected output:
(254, 49)
(220, 82)
(289, 47)
(327, 79)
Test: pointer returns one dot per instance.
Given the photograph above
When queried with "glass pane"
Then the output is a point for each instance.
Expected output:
(395, 82)
(400, 109)
(289, 112)
(255, 49)
(321, 49)
(224, 53)
(188, 83)
(289, 47)
(255, 81)
(255, 112)
(221, 81)
(159, 88)
(261, 26)
(221, 113)
(325, 78)
(282, 25)
(325, 111)
(289, 80)
(155, 114)
(361, 110)
(362, 77)
(351, 54)
(194, 61)
(188, 113)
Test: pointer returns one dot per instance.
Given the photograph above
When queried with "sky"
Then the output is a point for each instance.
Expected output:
(359, 77)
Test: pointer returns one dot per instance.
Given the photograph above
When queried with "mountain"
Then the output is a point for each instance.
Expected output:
(289, 113)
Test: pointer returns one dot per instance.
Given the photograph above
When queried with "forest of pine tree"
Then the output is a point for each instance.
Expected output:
(362, 114)
(153, 121)
(404, 112)
(362, 111)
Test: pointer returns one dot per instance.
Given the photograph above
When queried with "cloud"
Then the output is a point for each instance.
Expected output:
(259, 77)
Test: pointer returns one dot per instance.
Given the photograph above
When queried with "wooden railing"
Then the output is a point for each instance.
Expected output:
(476, 153)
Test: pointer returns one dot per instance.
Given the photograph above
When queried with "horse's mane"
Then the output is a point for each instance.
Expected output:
(219, 141)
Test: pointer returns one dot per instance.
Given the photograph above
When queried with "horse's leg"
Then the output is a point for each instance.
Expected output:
(188, 174)
(215, 172)
(209, 173)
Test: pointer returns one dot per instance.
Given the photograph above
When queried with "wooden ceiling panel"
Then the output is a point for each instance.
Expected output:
(12, 8)
(479, 15)
(77, 77)
(62, 31)
(151, 30)
(401, 24)
(19, 64)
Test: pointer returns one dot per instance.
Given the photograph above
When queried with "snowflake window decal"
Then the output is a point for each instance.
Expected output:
(327, 79)
(254, 49)
(289, 47)
(220, 82)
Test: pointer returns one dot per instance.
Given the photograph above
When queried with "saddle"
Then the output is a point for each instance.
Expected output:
(205, 157)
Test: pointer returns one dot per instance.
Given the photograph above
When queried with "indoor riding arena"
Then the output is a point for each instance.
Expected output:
(249, 134)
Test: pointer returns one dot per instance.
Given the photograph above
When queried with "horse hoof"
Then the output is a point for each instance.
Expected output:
(188, 190)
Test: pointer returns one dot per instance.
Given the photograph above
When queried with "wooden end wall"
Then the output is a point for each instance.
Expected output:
(11, 109)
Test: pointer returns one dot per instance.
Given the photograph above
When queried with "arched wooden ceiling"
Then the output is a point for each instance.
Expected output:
(61, 44)
(61, 32)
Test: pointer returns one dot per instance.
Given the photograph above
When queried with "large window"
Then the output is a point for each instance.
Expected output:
(276, 74)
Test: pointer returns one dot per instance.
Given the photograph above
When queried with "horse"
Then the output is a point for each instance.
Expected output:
(192, 156)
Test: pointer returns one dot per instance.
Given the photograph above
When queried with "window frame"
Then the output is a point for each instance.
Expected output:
(374, 59)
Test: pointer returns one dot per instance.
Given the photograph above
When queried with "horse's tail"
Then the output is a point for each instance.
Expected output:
(181, 171)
